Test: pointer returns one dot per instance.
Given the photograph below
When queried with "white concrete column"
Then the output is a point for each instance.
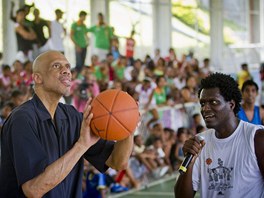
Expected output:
(99, 6)
(216, 34)
(261, 28)
(9, 38)
(162, 25)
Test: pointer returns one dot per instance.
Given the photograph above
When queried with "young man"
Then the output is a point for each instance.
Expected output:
(103, 34)
(250, 112)
(80, 39)
(43, 141)
(229, 161)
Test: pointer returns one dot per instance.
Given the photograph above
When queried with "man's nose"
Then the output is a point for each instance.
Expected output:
(66, 70)
(206, 106)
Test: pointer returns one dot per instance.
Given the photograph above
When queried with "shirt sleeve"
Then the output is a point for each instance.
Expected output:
(29, 158)
(99, 153)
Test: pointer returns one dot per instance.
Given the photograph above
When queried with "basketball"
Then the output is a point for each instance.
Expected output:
(115, 115)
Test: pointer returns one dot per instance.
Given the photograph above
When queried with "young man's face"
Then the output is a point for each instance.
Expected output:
(249, 94)
(214, 109)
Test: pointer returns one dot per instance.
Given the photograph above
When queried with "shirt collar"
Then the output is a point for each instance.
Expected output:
(43, 112)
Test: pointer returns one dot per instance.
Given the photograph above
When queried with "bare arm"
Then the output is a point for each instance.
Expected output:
(183, 186)
(25, 34)
(261, 115)
(259, 149)
(118, 159)
(58, 170)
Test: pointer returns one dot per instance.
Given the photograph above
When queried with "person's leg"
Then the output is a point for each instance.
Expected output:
(155, 117)
(78, 60)
(83, 55)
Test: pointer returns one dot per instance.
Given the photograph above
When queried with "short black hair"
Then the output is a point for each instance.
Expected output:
(20, 10)
(249, 83)
(227, 85)
(15, 93)
(82, 13)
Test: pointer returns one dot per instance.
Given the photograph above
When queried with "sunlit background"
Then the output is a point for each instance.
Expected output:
(190, 26)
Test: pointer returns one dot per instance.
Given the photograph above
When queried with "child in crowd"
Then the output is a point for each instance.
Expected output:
(176, 154)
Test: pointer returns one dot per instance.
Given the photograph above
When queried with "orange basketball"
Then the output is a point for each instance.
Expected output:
(115, 115)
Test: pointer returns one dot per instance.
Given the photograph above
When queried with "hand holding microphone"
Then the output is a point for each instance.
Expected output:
(193, 146)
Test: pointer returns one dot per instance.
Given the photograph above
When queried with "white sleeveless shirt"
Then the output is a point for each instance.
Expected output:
(228, 167)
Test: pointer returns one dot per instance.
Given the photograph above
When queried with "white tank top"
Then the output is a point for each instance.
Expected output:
(228, 167)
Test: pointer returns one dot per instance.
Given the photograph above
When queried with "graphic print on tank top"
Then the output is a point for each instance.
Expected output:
(219, 177)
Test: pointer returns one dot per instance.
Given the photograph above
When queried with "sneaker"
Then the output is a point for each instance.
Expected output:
(163, 171)
(117, 188)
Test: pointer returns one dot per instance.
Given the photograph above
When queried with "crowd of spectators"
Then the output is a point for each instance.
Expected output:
(153, 81)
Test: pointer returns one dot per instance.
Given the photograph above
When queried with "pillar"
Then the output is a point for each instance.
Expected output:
(162, 29)
(216, 34)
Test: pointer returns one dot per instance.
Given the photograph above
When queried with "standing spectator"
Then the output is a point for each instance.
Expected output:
(25, 37)
(243, 75)
(80, 40)
(103, 34)
(205, 70)
(130, 46)
(38, 25)
(57, 32)
(157, 55)
(249, 111)
(26, 8)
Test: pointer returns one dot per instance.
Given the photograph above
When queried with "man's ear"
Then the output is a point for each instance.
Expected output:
(232, 104)
(37, 78)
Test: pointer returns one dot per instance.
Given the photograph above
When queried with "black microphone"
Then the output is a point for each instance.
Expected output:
(187, 160)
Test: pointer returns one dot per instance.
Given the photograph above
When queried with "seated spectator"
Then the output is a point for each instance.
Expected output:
(162, 162)
(176, 154)
(169, 140)
(155, 132)
(145, 156)
(196, 121)
(5, 111)
(147, 102)
(160, 94)
(6, 83)
(18, 97)
(200, 128)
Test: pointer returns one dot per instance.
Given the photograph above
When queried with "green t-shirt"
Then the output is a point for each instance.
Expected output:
(79, 35)
(102, 34)
(160, 97)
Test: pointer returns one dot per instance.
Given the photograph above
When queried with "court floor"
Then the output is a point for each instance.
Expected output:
(163, 188)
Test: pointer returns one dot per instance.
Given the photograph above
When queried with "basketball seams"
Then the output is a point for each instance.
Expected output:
(123, 110)
(115, 115)
(110, 111)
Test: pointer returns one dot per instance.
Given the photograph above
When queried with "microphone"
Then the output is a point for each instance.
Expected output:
(187, 160)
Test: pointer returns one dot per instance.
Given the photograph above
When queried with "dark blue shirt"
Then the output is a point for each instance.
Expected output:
(30, 141)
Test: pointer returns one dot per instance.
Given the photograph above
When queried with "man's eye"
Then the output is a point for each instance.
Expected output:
(56, 65)
(214, 102)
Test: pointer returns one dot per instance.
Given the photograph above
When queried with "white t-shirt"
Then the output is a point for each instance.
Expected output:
(228, 167)
(56, 39)
(144, 96)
